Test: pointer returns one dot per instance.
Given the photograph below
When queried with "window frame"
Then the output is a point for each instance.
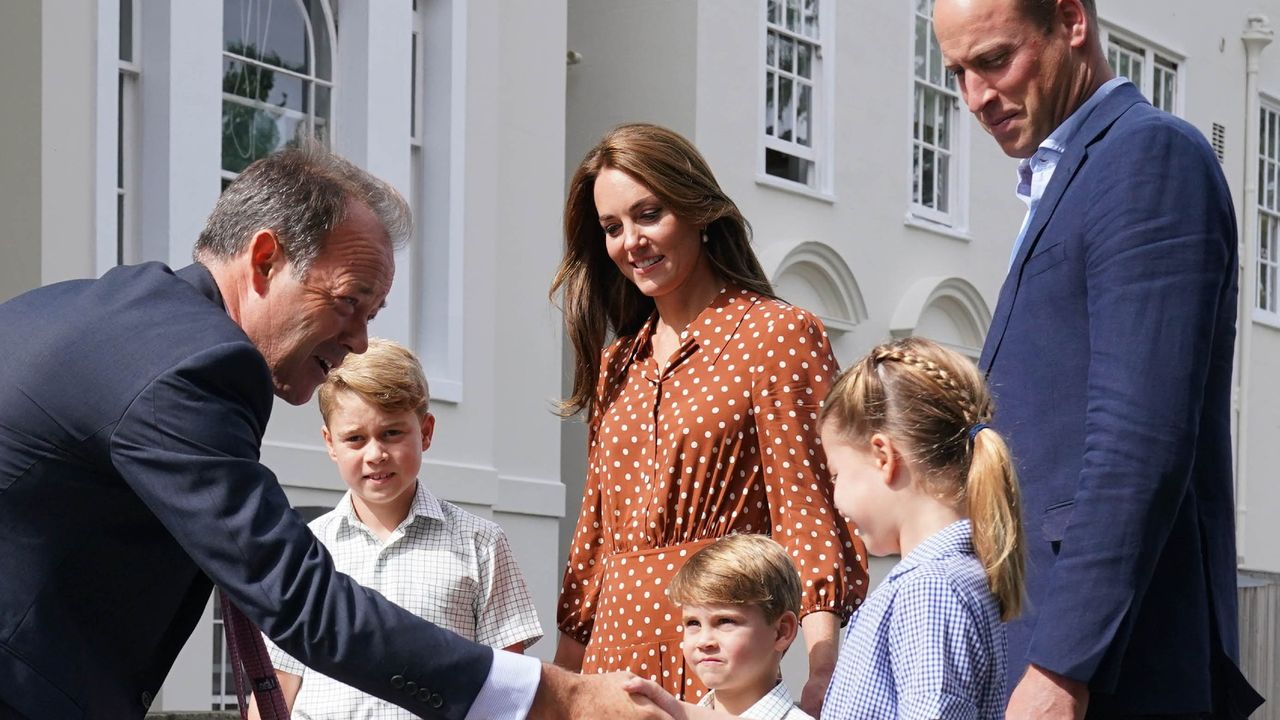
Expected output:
(954, 222)
(1268, 214)
(821, 126)
(312, 77)
(1151, 54)
(128, 240)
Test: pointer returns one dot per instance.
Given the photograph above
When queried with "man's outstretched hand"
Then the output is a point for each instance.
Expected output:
(563, 695)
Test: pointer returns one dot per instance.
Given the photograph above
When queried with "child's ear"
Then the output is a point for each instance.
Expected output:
(328, 442)
(884, 456)
(788, 624)
(428, 429)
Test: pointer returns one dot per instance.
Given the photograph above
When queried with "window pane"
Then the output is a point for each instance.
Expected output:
(255, 82)
(787, 109)
(917, 120)
(1137, 77)
(790, 167)
(944, 121)
(811, 18)
(924, 7)
(915, 174)
(922, 47)
(793, 15)
(321, 127)
(804, 111)
(771, 50)
(770, 109)
(774, 12)
(927, 170)
(787, 50)
(273, 32)
(935, 60)
(126, 30)
(930, 117)
(804, 55)
(943, 168)
(320, 29)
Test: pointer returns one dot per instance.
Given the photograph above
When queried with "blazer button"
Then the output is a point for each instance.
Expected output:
(411, 687)
(435, 700)
(397, 681)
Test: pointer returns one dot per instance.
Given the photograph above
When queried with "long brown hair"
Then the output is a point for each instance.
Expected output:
(597, 299)
(934, 402)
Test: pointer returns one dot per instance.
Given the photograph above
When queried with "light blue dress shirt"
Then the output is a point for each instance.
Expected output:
(1035, 172)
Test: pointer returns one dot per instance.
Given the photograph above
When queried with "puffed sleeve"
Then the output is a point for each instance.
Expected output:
(792, 377)
(575, 614)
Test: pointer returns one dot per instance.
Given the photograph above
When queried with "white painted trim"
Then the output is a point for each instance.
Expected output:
(915, 221)
(843, 295)
(1148, 64)
(105, 105)
(773, 181)
(821, 151)
(927, 291)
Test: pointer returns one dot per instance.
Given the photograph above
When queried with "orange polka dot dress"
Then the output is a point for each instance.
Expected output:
(724, 440)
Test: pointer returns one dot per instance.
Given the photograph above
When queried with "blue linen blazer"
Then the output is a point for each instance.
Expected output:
(132, 410)
(1110, 358)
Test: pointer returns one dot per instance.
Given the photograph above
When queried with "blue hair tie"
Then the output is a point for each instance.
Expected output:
(975, 429)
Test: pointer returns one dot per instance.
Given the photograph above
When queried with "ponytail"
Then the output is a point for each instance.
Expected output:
(995, 513)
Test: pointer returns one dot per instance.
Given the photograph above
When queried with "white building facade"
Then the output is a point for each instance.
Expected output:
(875, 200)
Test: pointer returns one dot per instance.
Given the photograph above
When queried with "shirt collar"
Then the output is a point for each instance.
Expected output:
(954, 539)
(711, 330)
(425, 505)
(1064, 135)
(773, 704)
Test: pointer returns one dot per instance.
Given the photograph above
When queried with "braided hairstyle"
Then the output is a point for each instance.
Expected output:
(934, 405)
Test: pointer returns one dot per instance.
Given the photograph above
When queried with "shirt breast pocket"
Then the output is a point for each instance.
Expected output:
(1043, 260)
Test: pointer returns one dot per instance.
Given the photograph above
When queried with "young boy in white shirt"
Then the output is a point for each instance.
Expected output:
(739, 598)
(391, 534)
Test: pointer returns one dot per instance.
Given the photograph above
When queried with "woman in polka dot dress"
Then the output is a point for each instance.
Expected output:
(702, 412)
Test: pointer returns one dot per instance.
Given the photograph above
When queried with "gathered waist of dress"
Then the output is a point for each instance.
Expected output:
(680, 551)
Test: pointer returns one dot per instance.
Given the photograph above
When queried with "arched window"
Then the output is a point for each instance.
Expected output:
(277, 77)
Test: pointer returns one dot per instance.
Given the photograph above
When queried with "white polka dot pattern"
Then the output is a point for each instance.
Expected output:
(724, 439)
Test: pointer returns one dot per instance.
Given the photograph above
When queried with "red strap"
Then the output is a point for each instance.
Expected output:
(249, 658)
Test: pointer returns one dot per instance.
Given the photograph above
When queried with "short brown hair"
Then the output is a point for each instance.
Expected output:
(387, 375)
(1041, 12)
(740, 570)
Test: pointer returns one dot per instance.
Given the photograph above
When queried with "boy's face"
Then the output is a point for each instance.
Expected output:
(378, 453)
(733, 648)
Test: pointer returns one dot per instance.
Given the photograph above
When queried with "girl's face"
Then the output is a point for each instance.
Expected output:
(863, 476)
(653, 248)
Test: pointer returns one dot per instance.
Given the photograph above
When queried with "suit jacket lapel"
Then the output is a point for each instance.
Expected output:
(1095, 126)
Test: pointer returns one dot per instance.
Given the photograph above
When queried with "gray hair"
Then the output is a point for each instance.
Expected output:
(302, 193)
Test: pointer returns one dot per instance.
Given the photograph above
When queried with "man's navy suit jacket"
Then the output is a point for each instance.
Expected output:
(1110, 358)
(132, 411)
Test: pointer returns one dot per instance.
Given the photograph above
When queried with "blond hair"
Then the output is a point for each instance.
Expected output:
(934, 404)
(739, 570)
(387, 375)
(598, 301)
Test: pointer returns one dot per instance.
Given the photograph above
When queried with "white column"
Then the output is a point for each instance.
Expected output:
(181, 124)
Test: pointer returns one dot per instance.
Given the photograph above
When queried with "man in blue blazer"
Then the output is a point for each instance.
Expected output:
(132, 409)
(1110, 360)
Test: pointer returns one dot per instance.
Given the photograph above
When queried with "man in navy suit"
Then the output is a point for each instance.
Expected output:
(132, 410)
(1110, 360)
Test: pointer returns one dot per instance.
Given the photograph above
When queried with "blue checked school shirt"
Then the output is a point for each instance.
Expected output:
(927, 643)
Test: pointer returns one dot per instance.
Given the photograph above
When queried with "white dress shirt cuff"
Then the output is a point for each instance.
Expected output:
(507, 694)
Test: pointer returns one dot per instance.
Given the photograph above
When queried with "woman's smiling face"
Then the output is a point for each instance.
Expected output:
(654, 249)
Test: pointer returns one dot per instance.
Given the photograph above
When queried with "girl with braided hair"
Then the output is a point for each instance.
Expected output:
(920, 473)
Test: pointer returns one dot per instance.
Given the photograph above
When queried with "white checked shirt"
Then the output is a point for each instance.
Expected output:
(776, 704)
(927, 643)
(442, 564)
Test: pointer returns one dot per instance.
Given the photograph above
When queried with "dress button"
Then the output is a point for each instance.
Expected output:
(147, 698)
(397, 681)
(435, 700)
(411, 687)
(423, 694)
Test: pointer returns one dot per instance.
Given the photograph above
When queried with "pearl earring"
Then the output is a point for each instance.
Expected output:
(704, 236)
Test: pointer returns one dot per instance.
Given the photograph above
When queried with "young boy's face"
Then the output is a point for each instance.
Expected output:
(733, 647)
(378, 453)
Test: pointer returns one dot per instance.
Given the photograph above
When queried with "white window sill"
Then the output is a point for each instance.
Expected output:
(794, 187)
(445, 390)
(1268, 319)
(915, 221)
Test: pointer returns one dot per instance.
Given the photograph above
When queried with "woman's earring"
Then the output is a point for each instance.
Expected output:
(704, 236)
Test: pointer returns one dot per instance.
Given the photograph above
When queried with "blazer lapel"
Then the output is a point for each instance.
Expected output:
(1095, 126)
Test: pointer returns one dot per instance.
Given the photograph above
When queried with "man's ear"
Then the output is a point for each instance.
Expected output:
(266, 259)
(1075, 20)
